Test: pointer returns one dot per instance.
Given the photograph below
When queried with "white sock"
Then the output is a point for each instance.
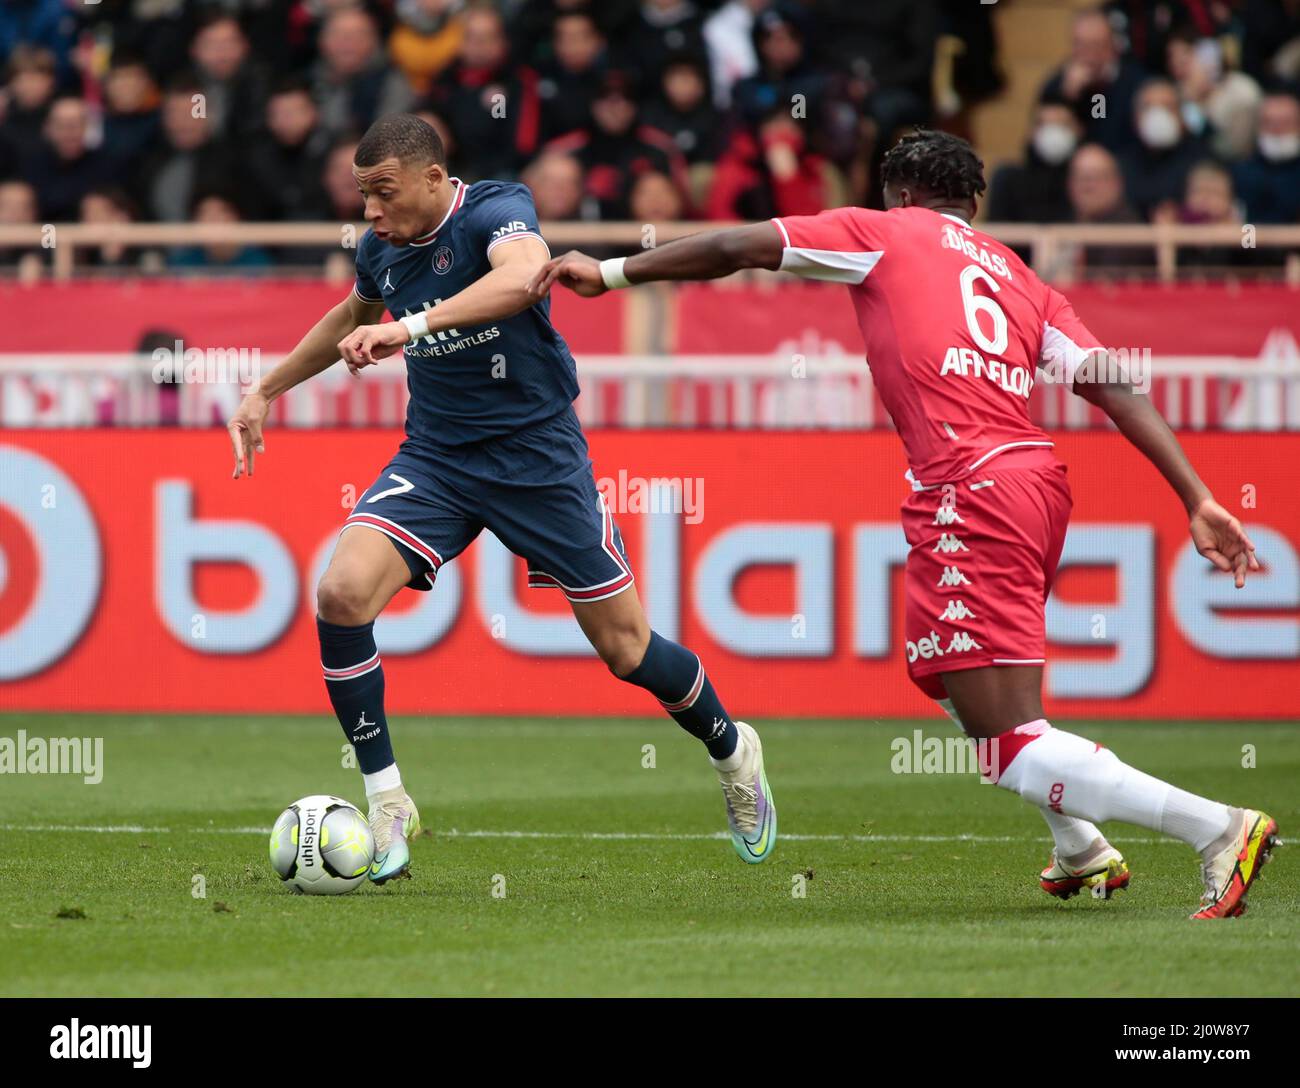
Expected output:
(732, 762)
(1071, 835)
(1078, 778)
(387, 779)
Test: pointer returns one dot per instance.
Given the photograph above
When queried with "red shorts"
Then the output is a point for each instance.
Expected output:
(984, 554)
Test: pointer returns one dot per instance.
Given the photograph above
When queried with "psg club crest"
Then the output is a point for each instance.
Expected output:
(442, 258)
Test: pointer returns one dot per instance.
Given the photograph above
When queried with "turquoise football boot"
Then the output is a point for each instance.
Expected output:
(751, 813)
(394, 821)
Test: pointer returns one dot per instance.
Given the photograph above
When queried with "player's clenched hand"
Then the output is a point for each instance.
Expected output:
(1220, 538)
(245, 428)
(367, 344)
(575, 270)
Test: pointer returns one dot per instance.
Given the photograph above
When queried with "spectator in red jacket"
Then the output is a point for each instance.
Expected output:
(770, 173)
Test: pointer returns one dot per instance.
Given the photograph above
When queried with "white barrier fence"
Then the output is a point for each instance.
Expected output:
(729, 392)
(1055, 250)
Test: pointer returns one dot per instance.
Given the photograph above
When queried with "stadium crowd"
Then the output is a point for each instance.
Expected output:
(649, 110)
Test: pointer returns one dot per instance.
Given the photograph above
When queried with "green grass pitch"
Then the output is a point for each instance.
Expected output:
(616, 877)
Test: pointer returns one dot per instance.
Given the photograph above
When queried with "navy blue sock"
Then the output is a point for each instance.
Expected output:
(354, 678)
(674, 676)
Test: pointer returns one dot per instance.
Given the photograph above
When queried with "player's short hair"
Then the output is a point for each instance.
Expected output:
(401, 136)
(938, 162)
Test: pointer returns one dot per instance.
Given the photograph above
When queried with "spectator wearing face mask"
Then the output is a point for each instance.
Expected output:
(1035, 191)
(1097, 67)
(1269, 181)
(1156, 169)
(1217, 103)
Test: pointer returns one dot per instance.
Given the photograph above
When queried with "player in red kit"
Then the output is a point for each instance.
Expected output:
(956, 330)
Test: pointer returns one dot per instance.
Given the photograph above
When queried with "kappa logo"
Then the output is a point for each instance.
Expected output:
(956, 611)
(947, 515)
(948, 542)
(961, 642)
(952, 577)
(930, 645)
(443, 258)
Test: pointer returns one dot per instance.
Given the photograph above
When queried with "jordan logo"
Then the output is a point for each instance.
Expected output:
(719, 724)
(388, 280)
(364, 730)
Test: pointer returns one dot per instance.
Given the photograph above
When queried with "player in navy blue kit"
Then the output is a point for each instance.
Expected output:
(492, 442)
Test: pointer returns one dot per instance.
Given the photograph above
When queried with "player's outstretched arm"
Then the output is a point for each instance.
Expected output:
(1216, 533)
(500, 294)
(315, 352)
(705, 256)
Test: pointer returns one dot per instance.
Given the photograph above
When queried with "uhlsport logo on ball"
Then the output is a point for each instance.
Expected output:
(321, 845)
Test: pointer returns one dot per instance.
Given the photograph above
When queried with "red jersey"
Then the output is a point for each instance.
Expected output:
(954, 324)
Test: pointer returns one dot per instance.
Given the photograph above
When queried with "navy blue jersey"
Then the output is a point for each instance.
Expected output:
(474, 383)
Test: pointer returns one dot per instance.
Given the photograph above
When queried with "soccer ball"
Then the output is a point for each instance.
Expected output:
(322, 845)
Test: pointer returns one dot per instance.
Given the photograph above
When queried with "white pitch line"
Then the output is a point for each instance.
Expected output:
(596, 836)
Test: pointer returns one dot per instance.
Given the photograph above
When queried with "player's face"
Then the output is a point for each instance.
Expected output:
(402, 199)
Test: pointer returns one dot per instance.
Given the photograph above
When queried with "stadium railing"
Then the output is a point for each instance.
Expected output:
(1052, 247)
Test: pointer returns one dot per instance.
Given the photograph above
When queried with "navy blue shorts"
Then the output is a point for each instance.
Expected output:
(533, 489)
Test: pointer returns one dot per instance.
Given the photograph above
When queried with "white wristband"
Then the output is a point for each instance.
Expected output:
(417, 325)
(611, 272)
